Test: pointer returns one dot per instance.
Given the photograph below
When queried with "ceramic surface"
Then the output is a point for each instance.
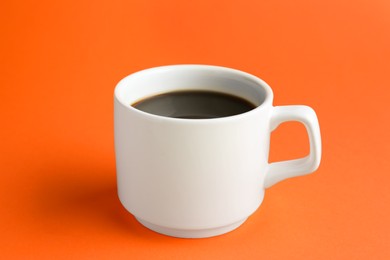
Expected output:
(201, 177)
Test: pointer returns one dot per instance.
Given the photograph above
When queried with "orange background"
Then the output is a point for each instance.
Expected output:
(60, 62)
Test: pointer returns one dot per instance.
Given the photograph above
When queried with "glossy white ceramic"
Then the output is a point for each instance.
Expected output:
(201, 177)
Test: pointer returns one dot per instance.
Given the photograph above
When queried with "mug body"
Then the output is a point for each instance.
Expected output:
(191, 177)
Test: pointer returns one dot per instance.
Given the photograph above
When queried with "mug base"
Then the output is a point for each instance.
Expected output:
(191, 233)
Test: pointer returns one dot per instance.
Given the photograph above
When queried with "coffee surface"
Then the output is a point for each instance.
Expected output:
(192, 104)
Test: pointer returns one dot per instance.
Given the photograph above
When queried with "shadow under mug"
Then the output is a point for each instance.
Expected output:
(196, 178)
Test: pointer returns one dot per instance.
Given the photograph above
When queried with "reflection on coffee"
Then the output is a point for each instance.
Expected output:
(194, 104)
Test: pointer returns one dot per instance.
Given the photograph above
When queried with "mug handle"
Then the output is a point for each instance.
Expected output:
(279, 171)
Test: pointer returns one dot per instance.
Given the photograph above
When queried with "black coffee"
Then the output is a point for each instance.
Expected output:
(194, 104)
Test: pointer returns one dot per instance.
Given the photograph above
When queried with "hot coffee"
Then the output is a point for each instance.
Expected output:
(194, 104)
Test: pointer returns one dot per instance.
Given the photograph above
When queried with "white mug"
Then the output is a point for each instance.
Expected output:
(196, 178)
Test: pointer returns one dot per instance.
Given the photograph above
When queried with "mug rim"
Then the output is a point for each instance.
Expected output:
(259, 82)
